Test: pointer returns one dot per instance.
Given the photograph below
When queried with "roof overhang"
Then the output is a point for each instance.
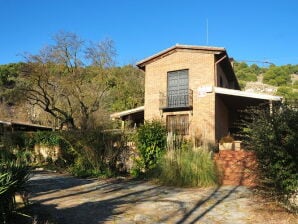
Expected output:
(214, 50)
(239, 93)
(125, 113)
(239, 100)
(23, 124)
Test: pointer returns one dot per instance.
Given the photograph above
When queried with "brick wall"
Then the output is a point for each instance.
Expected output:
(237, 167)
(200, 65)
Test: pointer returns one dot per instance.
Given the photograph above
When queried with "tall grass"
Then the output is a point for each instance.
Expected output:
(188, 166)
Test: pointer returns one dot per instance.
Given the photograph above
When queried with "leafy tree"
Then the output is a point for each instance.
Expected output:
(8, 75)
(128, 91)
(246, 73)
(277, 76)
(256, 69)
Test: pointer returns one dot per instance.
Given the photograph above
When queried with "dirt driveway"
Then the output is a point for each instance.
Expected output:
(72, 200)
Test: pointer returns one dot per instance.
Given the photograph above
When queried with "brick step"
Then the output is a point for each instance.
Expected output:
(237, 167)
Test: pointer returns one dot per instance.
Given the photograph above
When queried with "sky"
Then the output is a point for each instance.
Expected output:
(250, 30)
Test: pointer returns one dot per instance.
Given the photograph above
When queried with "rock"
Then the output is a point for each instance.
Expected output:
(293, 199)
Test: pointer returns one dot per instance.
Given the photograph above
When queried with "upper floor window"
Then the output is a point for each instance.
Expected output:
(178, 88)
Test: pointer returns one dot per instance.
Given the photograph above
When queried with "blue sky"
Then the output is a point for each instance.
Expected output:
(256, 30)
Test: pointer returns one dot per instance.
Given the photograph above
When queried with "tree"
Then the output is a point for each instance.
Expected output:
(128, 92)
(8, 75)
(246, 73)
(69, 79)
(277, 76)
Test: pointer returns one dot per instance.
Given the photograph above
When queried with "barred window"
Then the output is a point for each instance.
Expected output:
(178, 93)
(178, 124)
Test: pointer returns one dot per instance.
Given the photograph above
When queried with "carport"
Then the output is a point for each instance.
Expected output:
(229, 104)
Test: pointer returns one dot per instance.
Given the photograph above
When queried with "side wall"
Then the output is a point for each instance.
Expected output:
(221, 119)
(201, 73)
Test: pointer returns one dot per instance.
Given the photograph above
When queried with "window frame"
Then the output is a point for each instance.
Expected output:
(178, 123)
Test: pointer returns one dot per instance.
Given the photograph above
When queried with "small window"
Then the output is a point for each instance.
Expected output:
(178, 124)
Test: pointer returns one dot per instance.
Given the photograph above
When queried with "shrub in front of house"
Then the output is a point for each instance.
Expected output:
(93, 152)
(273, 135)
(151, 144)
(96, 152)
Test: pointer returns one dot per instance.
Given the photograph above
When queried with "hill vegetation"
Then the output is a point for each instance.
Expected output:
(284, 77)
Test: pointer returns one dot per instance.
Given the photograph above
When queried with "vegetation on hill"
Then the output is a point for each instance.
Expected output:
(282, 77)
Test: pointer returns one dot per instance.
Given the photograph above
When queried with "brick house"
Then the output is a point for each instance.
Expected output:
(194, 90)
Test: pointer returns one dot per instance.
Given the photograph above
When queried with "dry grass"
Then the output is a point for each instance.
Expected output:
(271, 212)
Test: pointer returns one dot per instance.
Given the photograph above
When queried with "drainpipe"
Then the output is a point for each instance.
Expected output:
(215, 69)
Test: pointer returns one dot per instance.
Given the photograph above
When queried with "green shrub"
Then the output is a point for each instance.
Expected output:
(151, 144)
(274, 137)
(48, 138)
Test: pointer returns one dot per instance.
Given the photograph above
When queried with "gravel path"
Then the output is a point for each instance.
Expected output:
(73, 200)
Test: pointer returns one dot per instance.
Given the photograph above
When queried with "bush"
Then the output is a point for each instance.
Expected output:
(274, 138)
(151, 144)
(96, 152)
(186, 166)
(48, 138)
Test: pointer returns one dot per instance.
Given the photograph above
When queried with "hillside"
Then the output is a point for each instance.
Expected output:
(275, 80)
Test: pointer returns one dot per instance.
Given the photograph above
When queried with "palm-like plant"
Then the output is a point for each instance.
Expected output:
(14, 173)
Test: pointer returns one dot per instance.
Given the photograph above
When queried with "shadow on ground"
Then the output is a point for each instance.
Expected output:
(72, 200)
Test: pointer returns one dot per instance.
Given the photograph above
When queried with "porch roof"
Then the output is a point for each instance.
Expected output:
(239, 93)
(119, 115)
(239, 100)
